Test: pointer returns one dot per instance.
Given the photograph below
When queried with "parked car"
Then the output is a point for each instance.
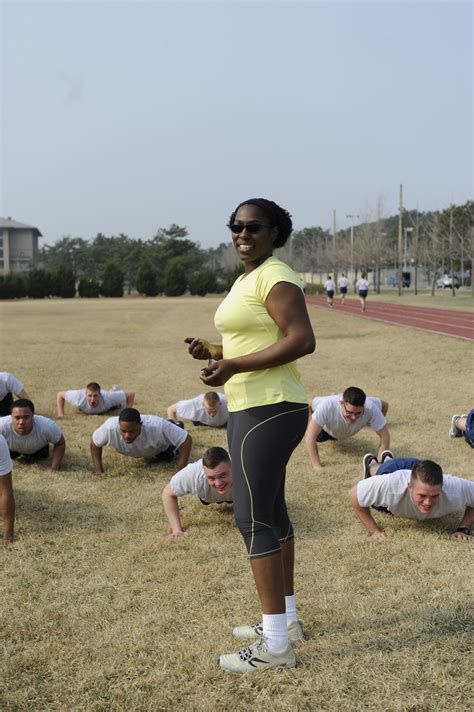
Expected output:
(446, 282)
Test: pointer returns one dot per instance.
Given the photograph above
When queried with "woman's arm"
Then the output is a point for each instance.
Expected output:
(286, 306)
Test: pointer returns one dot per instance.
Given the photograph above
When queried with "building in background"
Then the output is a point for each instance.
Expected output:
(18, 246)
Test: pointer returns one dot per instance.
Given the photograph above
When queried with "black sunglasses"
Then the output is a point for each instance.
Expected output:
(252, 228)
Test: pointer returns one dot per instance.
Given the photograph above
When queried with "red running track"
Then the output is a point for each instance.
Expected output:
(459, 324)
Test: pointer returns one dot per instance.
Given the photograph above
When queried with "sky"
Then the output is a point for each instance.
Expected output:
(124, 117)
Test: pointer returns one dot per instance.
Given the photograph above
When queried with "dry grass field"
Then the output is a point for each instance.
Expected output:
(99, 611)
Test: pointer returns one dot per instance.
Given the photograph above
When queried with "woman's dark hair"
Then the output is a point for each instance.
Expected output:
(276, 216)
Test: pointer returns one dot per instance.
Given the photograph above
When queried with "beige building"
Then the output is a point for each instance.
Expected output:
(18, 246)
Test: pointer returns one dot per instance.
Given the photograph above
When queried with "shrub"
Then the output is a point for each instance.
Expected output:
(175, 279)
(64, 282)
(315, 288)
(112, 281)
(203, 283)
(12, 286)
(88, 288)
(38, 284)
(147, 280)
(232, 276)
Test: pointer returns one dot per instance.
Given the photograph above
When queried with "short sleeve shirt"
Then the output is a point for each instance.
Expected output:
(246, 328)
(107, 400)
(156, 435)
(391, 491)
(9, 384)
(193, 409)
(327, 412)
(330, 285)
(362, 284)
(192, 480)
(44, 431)
(342, 282)
(5, 459)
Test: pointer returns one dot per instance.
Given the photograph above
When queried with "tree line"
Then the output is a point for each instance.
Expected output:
(170, 263)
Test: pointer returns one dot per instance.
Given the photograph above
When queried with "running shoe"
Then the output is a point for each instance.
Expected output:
(454, 432)
(295, 631)
(115, 387)
(256, 657)
(367, 460)
(385, 454)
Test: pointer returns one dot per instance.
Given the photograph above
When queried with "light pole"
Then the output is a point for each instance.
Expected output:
(405, 256)
(351, 218)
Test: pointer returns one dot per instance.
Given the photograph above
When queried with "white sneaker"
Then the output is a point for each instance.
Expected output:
(453, 431)
(295, 631)
(255, 657)
(115, 387)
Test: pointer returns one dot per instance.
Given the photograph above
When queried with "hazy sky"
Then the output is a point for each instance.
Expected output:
(128, 116)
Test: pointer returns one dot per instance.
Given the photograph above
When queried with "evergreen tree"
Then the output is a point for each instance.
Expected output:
(203, 282)
(147, 280)
(175, 278)
(65, 282)
(88, 288)
(12, 286)
(38, 284)
(112, 281)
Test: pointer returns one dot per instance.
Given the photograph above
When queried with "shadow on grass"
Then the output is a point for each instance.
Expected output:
(45, 514)
(450, 623)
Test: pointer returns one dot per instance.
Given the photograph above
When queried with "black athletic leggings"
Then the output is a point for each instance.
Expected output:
(261, 441)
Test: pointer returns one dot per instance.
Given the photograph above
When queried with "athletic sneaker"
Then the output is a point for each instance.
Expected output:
(295, 631)
(454, 432)
(367, 460)
(385, 454)
(115, 387)
(255, 657)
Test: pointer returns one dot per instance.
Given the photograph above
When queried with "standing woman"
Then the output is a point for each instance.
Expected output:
(265, 327)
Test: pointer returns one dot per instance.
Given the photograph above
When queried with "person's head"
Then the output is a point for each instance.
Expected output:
(329, 276)
(426, 483)
(93, 393)
(258, 226)
(217, 468)
(363, 275)
(130, 424)
(211, 403)
(343, 275)
(22, 412)
(352, 403)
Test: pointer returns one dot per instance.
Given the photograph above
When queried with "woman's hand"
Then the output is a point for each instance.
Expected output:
(202, 349)
(198, 348)
(218, 373)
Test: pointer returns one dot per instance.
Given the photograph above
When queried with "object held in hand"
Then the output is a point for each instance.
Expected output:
(189, 340)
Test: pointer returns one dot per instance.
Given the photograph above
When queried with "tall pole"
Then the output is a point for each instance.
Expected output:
(400, 242)
(334, 266)
(451, 261)
(352, 243)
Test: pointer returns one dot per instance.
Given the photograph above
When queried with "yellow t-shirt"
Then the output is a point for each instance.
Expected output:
(246, 327)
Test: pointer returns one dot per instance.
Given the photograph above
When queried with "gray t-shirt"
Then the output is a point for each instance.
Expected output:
(156, 435)
(328, 413)
(193, 409)
(107, 400)
(391, 491)
(192, 480)
(9, 384)
(5, 459)
(44, 431)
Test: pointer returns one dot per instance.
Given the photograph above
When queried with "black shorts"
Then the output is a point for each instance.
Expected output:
(261, 441)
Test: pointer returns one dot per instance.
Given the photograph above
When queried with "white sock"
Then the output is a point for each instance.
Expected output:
(290, 606)
(275, 631)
